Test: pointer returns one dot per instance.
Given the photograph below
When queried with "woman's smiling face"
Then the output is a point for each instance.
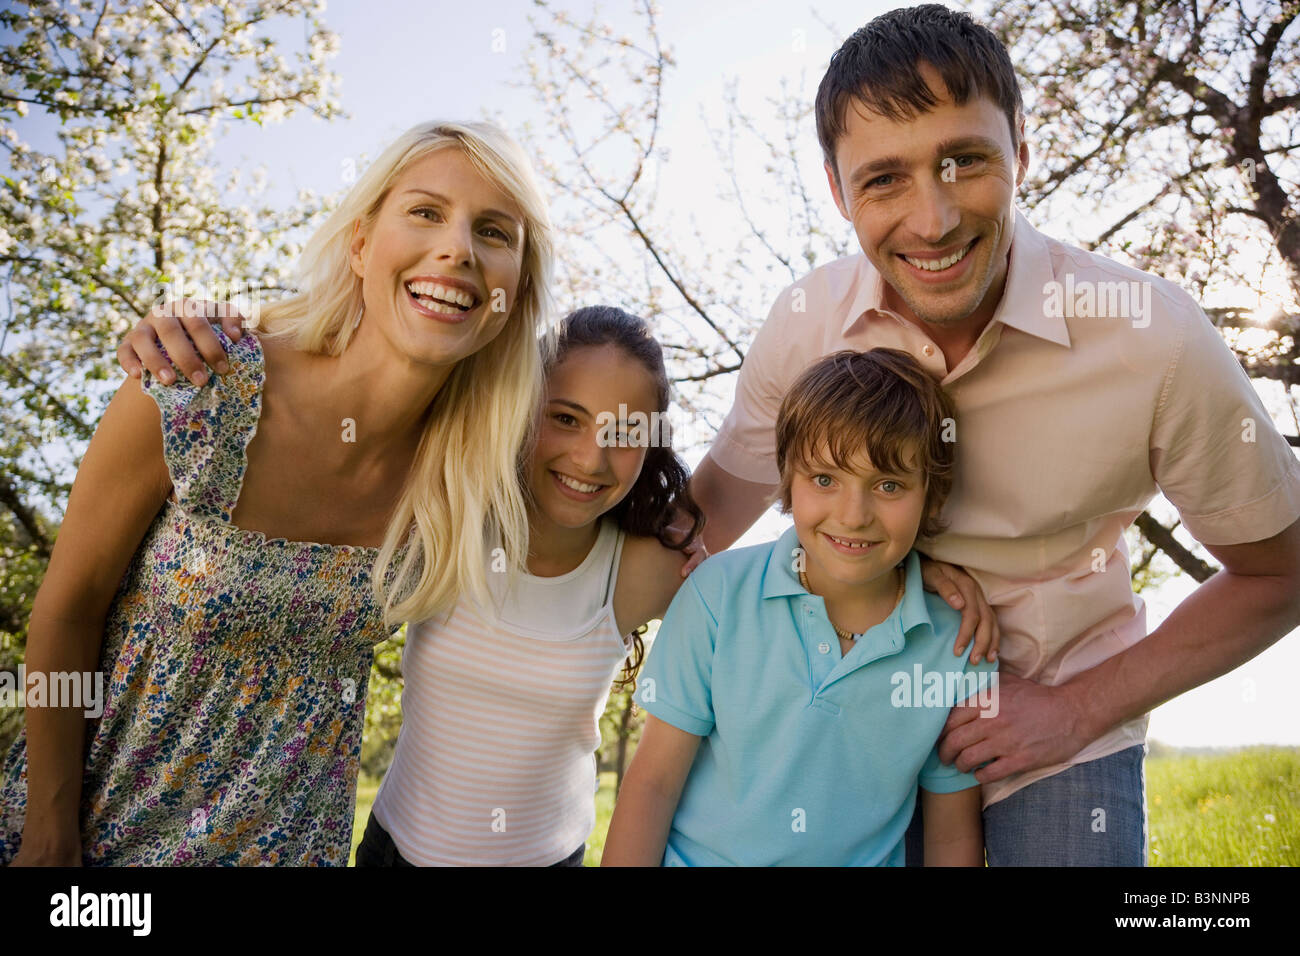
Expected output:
(441, 261)
(574, 476)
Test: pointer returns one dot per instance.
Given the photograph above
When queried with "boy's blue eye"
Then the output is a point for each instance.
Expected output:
(822, 481)
(890, 487)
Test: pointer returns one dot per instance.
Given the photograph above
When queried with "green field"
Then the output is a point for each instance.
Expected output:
(1234, 809)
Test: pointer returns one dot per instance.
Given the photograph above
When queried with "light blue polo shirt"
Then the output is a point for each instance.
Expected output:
(809, 757)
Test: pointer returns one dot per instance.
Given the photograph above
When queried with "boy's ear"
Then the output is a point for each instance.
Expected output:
(355, 248)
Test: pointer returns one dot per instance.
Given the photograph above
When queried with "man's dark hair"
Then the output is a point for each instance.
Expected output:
(878, 67)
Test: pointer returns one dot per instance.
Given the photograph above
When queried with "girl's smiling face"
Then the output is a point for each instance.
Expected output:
(441, 261)
(574, 476)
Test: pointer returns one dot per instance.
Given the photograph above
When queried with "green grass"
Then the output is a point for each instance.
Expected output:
(366, 791)
(604, 810)
(1234, 809)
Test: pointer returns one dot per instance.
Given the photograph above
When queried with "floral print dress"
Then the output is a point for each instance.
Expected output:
(235, 669)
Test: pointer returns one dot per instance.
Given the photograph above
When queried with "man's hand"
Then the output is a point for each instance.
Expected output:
(1035, 726)
(184, 329)
(963, 593)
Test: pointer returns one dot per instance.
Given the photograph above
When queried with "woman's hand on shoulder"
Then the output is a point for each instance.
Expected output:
(184, 329)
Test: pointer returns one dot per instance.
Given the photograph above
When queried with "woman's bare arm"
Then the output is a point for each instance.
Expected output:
(121, 484)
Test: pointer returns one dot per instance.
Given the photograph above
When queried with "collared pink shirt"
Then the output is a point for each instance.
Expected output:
(1068, 422)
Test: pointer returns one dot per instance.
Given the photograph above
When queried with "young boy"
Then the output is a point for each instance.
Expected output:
(796, 690)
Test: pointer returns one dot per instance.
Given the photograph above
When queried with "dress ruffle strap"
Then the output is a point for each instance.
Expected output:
(206, 430)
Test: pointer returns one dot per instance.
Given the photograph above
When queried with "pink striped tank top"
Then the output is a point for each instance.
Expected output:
(495, 762)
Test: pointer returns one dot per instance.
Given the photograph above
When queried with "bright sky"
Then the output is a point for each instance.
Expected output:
(404, 62)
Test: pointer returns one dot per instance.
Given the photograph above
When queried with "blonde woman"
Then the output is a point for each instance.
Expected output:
(232, 550)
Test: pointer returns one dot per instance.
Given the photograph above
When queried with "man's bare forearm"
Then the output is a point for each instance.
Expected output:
(730, 504)
(1225, 622)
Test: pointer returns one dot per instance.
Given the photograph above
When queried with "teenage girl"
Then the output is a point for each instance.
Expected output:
(495, 760)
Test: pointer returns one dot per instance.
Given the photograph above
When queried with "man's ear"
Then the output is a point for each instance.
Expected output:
(355, 249)
(834, 180)
(1022, 156)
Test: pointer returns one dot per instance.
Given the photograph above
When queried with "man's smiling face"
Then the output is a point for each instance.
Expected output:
(931, 199)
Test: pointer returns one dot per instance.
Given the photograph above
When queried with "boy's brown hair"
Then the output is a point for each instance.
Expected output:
(880, 402)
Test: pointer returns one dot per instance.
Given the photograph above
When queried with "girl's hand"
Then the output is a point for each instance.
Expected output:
(184, 328)
(963, 593)
(695, 553)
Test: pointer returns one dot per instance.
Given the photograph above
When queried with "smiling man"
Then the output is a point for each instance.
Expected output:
(1072, 411)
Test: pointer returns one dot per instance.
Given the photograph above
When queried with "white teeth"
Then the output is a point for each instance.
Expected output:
(441, 308)
(432, 290)
(576, 485)
(938, 265)
(850, 544)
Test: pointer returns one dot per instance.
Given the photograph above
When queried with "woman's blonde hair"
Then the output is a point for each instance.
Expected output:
(463, 493)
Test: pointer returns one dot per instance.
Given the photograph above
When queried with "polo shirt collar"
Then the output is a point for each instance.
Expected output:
(1028, 272)
(781, 580)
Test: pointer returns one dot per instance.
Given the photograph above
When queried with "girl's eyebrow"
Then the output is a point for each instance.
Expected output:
(567, 403)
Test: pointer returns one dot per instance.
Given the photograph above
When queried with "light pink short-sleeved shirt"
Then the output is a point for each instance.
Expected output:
(1067, 423)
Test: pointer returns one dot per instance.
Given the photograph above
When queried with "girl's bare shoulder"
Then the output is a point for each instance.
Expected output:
(648, 577)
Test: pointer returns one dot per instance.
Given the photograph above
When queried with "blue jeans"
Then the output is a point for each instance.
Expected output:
(1093, 814)
(378, 849)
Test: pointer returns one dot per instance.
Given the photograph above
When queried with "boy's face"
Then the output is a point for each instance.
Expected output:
(936, 189)
(854, 524)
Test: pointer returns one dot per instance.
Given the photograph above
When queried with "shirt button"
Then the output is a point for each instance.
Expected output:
(824, 648)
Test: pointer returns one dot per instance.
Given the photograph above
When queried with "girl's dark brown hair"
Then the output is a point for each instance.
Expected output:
(660, 491)
(880, 402)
